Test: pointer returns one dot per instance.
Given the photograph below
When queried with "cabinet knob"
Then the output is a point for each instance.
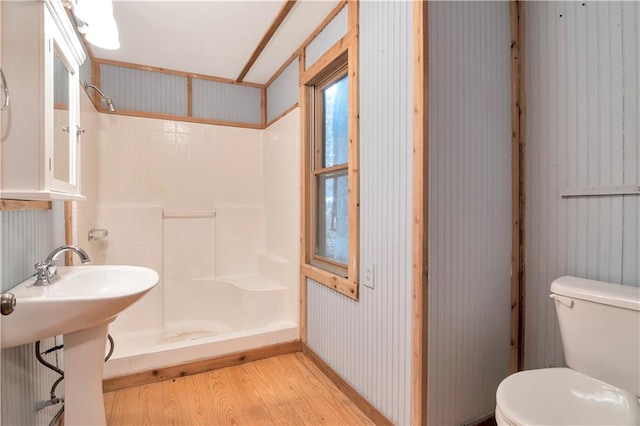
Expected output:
(79, 131)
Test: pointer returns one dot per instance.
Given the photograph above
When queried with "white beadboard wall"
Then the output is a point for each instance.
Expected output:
(27, 237)
(470, 208)
(227, 102)
(149, 91)
(283, 92)
(334, 31)
(142, 90)
(368, 342)
(583, 118)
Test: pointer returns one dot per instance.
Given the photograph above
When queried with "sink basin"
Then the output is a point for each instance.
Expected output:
(85, 296)
(80, 307)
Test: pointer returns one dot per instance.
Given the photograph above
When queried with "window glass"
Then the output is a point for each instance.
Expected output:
(332, 239)
(336, 102)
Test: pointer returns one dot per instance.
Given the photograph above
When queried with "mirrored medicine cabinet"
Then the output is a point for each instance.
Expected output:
(40, 143)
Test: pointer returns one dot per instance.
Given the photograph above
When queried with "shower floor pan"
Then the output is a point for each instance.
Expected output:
(187, 342)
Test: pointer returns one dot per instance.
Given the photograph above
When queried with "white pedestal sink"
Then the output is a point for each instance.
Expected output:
(80, 307)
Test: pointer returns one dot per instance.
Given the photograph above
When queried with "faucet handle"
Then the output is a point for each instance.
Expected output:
(42, 273)
(46, 273)
(42, 267)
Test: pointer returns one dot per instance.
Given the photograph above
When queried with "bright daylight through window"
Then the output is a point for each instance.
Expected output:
(331, 160)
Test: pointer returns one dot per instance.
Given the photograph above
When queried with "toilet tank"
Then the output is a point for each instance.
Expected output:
(600, 329)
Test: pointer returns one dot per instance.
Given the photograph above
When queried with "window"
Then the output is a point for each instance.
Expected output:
(330, 197)
(329, 167)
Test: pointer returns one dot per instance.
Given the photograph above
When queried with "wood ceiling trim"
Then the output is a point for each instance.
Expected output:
(280, 17)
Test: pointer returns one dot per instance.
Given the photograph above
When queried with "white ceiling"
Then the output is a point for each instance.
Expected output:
(211, 37)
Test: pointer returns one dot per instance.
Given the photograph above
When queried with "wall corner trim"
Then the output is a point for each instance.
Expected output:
(420, 212)
(516, 12)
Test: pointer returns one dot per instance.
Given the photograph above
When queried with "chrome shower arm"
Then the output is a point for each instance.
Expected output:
(87, 85)
(106, 98)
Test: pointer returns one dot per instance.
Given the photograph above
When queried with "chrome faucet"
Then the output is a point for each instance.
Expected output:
(47, 270)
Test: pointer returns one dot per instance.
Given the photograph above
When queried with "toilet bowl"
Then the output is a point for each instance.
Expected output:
(600, 330)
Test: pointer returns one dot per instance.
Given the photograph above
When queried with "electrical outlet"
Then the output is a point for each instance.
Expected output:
(369, 274)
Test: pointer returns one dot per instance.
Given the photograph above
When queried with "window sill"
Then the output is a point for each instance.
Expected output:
(341, 285)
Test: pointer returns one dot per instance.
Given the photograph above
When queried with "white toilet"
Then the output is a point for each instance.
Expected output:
(600, 330)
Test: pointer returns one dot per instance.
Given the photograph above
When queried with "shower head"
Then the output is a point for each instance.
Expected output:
(110, 105)
(107, 99)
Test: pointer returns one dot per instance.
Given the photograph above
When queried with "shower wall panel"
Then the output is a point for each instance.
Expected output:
(188, 253)
(135, 238)
(240, 236)
(281, 177)
(151, 166)
(173, 164)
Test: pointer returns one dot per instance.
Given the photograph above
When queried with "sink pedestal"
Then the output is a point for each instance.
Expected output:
(84, 352)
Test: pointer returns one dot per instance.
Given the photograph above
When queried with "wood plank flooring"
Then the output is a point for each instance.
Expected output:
(282, 390)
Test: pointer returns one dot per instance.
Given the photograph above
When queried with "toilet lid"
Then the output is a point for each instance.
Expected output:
(561, 396)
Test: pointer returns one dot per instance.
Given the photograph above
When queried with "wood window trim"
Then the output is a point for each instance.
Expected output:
(329, 65)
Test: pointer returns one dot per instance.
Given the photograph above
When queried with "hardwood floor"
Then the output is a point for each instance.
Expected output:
(283, 390)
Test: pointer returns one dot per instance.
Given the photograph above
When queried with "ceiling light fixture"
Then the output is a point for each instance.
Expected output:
(95, 20)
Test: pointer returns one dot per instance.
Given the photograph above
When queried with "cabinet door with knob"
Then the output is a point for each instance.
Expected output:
(41, 56)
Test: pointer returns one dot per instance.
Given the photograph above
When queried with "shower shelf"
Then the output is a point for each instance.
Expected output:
(169, 214)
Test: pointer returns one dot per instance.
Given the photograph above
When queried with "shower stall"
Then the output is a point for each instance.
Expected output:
(215, 211)
(220, 292)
